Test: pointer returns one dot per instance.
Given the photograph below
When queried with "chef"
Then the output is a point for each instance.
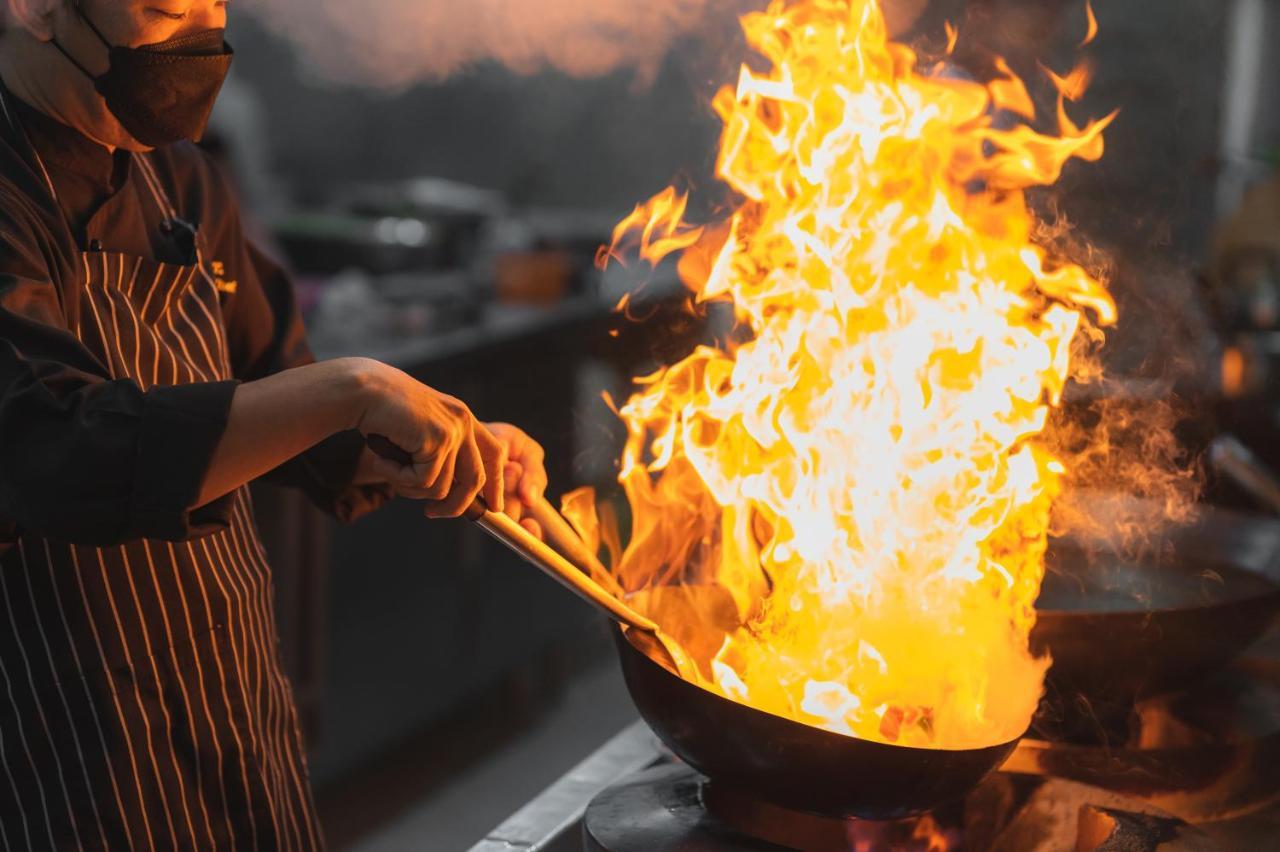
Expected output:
(152, 363)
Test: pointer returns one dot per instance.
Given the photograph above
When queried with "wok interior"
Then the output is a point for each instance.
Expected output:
(795, 765)
(698, 617)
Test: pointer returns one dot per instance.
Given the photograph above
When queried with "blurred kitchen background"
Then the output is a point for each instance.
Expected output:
(448, 225)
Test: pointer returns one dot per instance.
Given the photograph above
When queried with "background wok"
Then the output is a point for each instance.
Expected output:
(1120, 629)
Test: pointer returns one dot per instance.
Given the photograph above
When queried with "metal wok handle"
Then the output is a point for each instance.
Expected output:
(1233, 459)
(537, 553)
(532, 550)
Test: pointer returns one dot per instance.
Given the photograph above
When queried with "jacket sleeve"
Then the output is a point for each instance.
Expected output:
(266, 336)
(85, 458)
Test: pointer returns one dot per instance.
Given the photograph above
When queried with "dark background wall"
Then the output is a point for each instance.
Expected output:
(542, 139)
(550, 139)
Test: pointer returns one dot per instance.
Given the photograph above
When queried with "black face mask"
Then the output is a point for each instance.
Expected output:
(162, 92)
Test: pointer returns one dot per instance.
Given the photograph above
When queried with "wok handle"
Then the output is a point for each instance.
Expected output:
(540, 555)
(565, 539)
(579, 579)
(1233, 459)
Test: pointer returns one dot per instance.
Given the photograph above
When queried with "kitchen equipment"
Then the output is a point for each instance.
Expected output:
(644, 631)
(1120, 629)
(1196, 772)
(759, 755)
(565, 540)
(1232, 459)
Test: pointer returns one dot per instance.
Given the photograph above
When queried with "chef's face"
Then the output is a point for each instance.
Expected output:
(32, 66)
(131, 23)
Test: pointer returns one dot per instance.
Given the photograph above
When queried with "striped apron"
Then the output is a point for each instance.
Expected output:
(142, 703)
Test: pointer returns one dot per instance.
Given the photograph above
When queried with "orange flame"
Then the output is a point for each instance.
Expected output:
(863, 476)
(1091, 30)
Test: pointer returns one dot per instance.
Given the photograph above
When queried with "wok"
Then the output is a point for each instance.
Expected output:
(1121, 629)
(763, 756)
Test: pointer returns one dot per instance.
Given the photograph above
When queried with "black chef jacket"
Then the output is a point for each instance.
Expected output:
(142, 703)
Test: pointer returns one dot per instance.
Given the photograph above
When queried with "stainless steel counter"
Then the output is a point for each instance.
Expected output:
(552, 821)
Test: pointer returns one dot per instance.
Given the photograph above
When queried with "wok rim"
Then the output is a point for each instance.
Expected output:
(1162, 610)
(1273, 594)
(1268, 575)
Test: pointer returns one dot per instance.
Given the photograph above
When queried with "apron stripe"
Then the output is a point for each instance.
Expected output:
(115, 611)
(112, 300)
(238, 670)
(289, 734)
(26, 747)
(189, 715)
(261, 645)
(216, 656)
(243, 652)
(194, 374)
(102, 658)
(142, 712)
(204, 697)
(62, 695)
(57, 596)
(151, 291)
(239, 647)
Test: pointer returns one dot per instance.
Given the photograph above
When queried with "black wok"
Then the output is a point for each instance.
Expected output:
(793, 765)
(1121, 629)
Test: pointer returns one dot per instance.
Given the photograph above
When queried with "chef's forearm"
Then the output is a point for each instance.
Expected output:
(276, 418)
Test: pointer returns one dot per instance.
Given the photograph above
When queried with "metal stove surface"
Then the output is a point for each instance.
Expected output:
(672, 808)
(1196, 771)
(666, 809)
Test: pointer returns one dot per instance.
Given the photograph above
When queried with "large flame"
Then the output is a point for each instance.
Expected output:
(863, 475)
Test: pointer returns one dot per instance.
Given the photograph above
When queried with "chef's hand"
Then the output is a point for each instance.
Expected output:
(524, 476)
(455, 458)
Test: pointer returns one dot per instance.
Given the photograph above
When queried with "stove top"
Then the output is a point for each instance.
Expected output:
(1194, 771)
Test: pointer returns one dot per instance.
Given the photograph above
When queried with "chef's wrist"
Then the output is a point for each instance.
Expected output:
(354, 385)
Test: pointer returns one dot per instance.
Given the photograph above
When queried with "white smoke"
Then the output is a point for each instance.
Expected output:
(395, 43)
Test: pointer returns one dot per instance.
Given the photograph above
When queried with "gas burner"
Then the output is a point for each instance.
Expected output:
(672, 807)
(1207, 753)
(1199, 770)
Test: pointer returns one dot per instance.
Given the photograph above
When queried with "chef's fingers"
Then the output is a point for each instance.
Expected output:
(440, 482)
(438, 473)
(513, 508)
(534, 482)
(532, 526)
(398, 475)
(392, 472)
(468, 479)
(493, 453)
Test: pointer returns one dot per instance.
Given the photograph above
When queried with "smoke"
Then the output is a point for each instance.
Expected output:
(396, 43)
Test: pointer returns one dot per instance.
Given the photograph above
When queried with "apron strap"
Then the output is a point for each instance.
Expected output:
(18, 128)
(167, 209)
